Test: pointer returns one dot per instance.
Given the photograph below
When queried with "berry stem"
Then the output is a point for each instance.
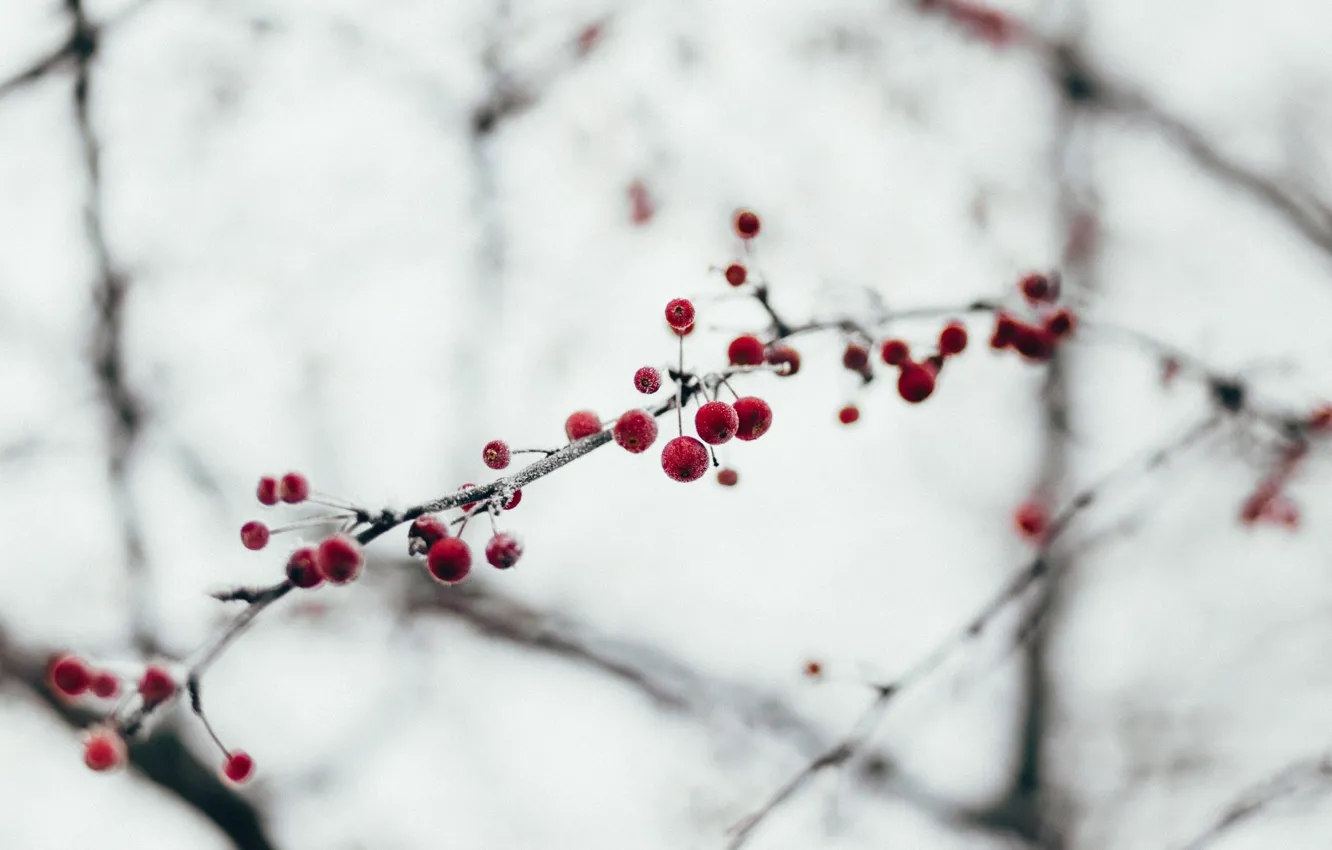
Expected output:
(679, 401)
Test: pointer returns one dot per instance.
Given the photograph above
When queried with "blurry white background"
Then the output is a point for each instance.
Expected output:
(360, 239)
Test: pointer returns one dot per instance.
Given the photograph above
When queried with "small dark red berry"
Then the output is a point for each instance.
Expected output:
(745, 351)
(1320, 419)
(746, 224)
(238, 767)
(303, 569)
(787, 360)
(736, 274)
(1060, 323)
(1037, 288)
(635, 431)
(339, 559)
(105, 685)
(1031, 519)
(580, 424)
(813, 669)
(503, 551)
(716, 422)
(934, 363)
(104, 750)
(952, 339)
(294, 488)
(449, 560)
(680, 313)
(267, 491)
(425, 531)
(684, 459)
(647, 380)
(254, 535)
(1005, 331)
(495, 454)
(156, 685)
(848, 414)
(755, 417)
(915, 383)
(69, 675)
(1036, 344)
(728, 477)
(513, 502)
(855, 358)
(895, 352)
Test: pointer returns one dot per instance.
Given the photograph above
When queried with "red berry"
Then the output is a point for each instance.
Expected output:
(685, 331)
(755, 417)
(450, 560)
(895, 352)
(934, 363)
(848, 414)
(156, 685)
(425, 531)
(495, 454)
(254, 535)
(1005, 330)
(267, 491)
(69, 675)
(641, 208)
(294, 488)
(339, 559)
(1036, 344)
(1060, 323)
(728, 477)
(647, 380)
(915, 383)
(303, 569)
(813, 669)
(736, 274)
(503, 551)
(745, 351)
(104, 750)
(635, 431)
(467, 506)
(1038, 288)
(716, 422)
(746, 224)
(680, 314)
(581, 424)
(513, 502)
(855, 358)
(952, 339)
(238, 766)
(1031, 519)
(684, 459)
(104, 685)
(783, 356)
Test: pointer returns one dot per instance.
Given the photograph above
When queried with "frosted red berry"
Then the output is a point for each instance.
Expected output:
(503, 551)
(580, 424)
(855, 358)
(680, 313)
(238, 767)
(915, 383)
(716, 422)
(848, 414)
(156, 685)
(294, 488)
(267, 491)
(952, 339)
(513, 502)
(684, 459)
(786, 359)
(303, 569)
(69, 675)
(467, 506)
(647, 380)
(635, 431)
(449, 560)
(103, 750)
(755, 417)
(495, 454)
(104, 685)
(339, 559)
(895, 352)
(728, 477)
(424, 532)
(685, 331)
(745, 351)
(1037, 288)
(1031, 519)
(736, 274)
(1060, 323)
(746, 224)
(254, 535)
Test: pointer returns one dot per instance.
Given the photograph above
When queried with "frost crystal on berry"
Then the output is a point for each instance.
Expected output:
(716, 422)
(684, 459)
(495, 454)
(635, 431)
(680, 314)
(647, 380)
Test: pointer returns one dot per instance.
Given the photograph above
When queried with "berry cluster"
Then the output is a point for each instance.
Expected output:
(1035, 340)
